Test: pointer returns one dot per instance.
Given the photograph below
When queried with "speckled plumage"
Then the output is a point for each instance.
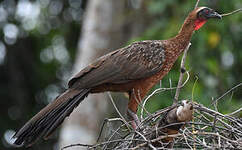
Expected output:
(135, 61)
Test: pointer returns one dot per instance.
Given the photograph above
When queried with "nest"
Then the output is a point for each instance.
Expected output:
(208, 129)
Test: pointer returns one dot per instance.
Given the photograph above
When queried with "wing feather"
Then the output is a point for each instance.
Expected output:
(136, 61)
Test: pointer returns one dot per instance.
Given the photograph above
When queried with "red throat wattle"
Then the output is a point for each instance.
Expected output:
(199, 23)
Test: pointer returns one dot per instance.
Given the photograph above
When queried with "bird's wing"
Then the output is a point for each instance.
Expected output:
(136, 61)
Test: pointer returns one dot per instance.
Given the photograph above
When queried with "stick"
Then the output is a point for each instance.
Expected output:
(233, 88)
(126, 123)
(103, 124)
(231, 13)
(74, 145)
(183, 70)
(157, 139)
(235, 112)
(196, 5)
(148, 142)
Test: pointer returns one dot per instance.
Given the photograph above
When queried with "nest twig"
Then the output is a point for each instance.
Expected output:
(213, 130)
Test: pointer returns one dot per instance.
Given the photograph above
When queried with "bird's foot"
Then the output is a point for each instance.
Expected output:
(134, 119)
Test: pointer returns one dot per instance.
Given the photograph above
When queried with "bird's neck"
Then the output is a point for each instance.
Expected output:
(182, 39)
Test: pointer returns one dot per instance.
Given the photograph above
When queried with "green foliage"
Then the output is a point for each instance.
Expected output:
(214, 56)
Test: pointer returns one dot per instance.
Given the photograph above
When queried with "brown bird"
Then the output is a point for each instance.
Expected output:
(134, 69)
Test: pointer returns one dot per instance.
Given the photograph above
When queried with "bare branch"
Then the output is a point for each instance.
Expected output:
(185, 137)
(183, 70)
(231, 13)
(157, 139)
(103, 124)
(232, 89)
(149, 143)
(196, 5)
(110, 137)
(111, 98)
(235, 112)
(74, 145)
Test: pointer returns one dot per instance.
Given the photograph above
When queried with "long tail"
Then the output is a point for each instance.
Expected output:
(50, 117)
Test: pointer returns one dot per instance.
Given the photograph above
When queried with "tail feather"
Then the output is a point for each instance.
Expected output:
(61, 115)
(48, 119)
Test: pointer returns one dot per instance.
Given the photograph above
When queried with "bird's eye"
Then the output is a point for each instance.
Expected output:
(206, 11)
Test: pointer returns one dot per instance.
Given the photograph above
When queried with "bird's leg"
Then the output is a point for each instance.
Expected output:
(135, 97)
(134, 119)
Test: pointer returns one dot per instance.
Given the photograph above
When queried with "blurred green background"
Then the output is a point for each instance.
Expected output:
(39, 39)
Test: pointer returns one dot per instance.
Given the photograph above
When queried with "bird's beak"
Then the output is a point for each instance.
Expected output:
(214, 15)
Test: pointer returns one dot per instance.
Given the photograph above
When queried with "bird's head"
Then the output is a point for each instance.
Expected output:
(202, 14)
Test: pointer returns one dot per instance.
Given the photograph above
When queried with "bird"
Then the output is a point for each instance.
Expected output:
(133, 69)
(170, 123)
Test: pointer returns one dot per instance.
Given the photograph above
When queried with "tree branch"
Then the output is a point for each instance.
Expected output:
(231, 13)
(79, 145)
(126, 123)
(196, 5)
(232, 89)
(183, 70)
